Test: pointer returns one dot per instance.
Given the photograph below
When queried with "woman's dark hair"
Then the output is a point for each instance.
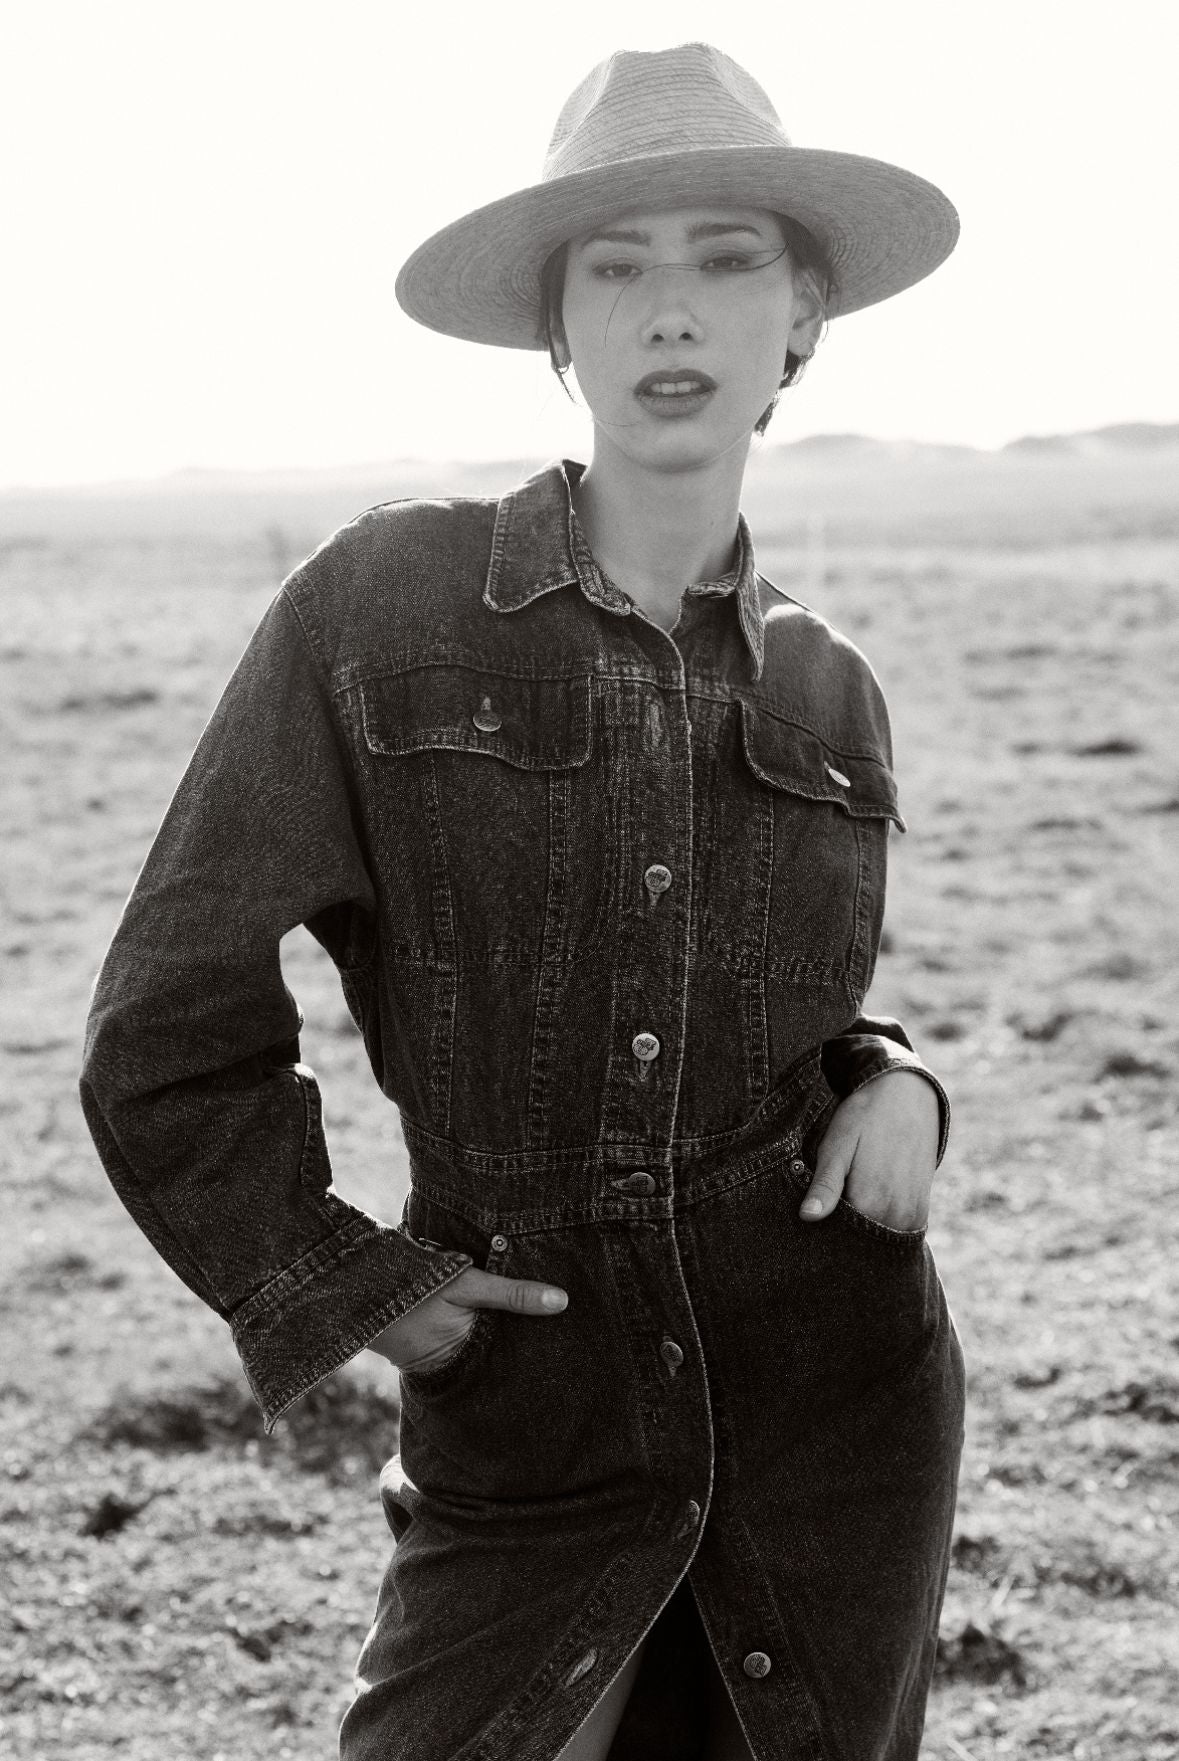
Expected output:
(806, 255)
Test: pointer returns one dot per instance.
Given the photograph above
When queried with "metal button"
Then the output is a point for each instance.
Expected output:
(757, 1664)
(645, 1047)
(581, 1667)
(671, 1354)
(640, 1184)
(485, 718)
(798, 1166)
(657, 879)
(499, 1243)
(837, 776)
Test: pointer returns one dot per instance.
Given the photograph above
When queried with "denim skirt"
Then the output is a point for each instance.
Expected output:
(741, 1438)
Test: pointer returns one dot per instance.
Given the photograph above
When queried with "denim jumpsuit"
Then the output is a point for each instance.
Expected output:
(605, 902)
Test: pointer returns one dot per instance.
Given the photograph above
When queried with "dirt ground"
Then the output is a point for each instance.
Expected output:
(180, 1588)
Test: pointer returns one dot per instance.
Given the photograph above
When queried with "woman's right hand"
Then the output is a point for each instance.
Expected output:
(439, 1324)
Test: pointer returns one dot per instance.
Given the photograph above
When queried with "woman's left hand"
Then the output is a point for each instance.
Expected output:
(880, 1153)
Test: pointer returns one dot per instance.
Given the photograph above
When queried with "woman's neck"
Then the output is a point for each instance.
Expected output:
(655, 532)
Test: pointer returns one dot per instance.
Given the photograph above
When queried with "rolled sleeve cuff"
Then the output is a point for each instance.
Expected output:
(315, 1315)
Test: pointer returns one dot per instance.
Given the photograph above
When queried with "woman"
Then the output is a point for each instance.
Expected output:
(600, 858)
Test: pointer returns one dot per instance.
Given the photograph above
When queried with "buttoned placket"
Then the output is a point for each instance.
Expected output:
(644, 1073)
(657, 876)
(651, 961)
(656, 961)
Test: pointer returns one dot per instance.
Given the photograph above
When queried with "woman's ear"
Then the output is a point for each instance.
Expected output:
(552, 323)
(809, 316)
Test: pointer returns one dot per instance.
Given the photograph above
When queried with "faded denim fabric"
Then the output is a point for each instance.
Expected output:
(605, 903)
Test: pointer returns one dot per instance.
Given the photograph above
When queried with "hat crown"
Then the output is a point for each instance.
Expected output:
(640, 104)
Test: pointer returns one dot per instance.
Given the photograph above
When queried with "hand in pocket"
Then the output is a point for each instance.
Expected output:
(879, 1153)
(437, 1326)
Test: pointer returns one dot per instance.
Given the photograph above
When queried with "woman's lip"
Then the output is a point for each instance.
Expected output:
(675, 376)
(671, 404)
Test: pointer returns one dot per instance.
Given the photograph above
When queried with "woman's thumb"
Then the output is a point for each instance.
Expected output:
(831, 1170)
(523, 1296)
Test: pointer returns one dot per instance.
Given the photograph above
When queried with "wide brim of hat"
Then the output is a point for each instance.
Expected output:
(883, 228)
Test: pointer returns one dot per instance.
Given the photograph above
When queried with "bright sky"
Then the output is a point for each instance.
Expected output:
(204, 207)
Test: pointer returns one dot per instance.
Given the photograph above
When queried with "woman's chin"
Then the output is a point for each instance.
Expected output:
(688, 445)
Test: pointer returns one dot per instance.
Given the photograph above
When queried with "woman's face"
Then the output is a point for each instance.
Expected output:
(700, 298)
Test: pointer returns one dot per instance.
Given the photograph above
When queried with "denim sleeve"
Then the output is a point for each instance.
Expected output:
(207, 1123)
(873, 1046)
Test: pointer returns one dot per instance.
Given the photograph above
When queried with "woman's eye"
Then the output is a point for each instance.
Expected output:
(727, 261)
(615, 271)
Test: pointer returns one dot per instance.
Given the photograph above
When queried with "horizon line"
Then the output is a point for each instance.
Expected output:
(1151, 431)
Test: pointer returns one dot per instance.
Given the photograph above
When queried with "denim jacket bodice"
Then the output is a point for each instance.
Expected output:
(603, 898)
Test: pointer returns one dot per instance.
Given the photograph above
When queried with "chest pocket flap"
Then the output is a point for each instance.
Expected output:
(534, 724)
(792, 758)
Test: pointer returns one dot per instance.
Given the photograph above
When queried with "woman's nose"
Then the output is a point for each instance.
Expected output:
(669, 314)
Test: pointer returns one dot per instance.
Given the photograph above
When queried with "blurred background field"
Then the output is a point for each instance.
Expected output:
(180, 1588)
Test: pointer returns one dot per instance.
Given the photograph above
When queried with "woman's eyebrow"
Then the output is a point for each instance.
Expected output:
(703, 229)
(718, 228)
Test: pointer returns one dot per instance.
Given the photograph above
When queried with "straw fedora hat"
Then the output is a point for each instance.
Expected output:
(674, 126)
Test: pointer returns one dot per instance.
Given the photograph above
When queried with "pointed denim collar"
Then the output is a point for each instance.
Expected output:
(538, 545)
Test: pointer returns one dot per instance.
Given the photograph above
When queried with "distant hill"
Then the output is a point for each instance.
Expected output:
(866, 447)
(363, 483)
(1117, 439)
